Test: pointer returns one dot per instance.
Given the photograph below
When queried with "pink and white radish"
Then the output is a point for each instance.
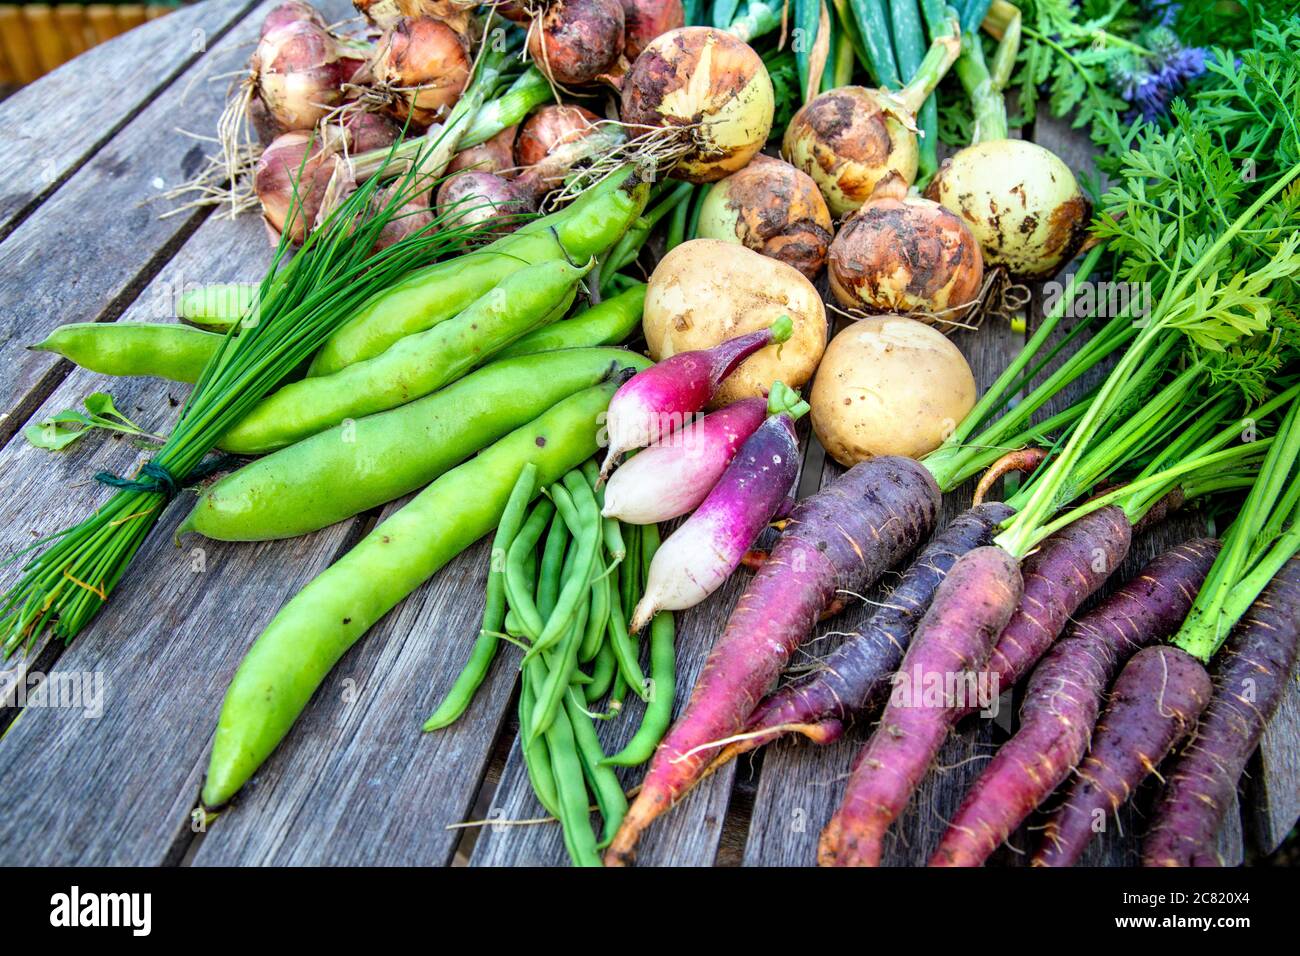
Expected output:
(654, 402)
(671, 477)
(700, 555)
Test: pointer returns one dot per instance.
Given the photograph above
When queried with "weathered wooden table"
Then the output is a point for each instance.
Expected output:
(355, 782)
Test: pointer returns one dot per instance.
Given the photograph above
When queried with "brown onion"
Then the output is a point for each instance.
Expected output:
(496, 156)
(714, 86)
(275, 176)
(299, 69)
(574, 42)
(471, 198)
(366, 131)
(772, 208)
(643, 20)
(426, 63)
(549, 128)
(385, 13)
(906, 254)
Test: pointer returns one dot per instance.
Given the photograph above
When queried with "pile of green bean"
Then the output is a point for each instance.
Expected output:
(561, 583)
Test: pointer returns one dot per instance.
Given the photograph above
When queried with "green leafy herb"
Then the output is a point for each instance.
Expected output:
(63, 428)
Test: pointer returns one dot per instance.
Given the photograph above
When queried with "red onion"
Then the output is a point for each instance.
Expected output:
(575, 42)
(468, 199)
(643, 20)
(426, 63)
(277, 170)
(299, 69)
(496, 156)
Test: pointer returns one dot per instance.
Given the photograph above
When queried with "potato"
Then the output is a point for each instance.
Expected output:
(889, 386)
(707, 291)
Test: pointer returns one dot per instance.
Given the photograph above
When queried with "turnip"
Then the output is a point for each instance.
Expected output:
(672, 476)
(654, 402)
(699, 556)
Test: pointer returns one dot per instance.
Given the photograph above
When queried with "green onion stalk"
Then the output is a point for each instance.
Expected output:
(301, 301)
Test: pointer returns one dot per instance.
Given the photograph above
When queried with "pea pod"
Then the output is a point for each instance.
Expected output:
(354, 467)
(494, 609)
(163, 349)
(593, 223)
(609, 323)
(290, 659)
(414, 367)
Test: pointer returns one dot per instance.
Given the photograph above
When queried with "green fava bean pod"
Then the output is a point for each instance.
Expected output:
(593, 223)
(357, 466)
(611, 322)
(494, 610)
(290, 659)
(414, 367)
(163, 349)
(218, 306)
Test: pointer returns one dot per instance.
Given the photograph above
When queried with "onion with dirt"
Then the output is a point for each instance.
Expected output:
(711, 96)
(889, 386)
(473, 198)
(425, 64)
(1020, 200)
(901, 253)
(772, 208)
(706, 291)
(575, 42)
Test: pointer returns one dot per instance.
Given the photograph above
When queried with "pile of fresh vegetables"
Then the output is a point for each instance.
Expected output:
(465, 200)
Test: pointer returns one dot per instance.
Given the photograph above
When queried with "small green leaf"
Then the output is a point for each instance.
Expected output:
(51, 436)
(100, 404)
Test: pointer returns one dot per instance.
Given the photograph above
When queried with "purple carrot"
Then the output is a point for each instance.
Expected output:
(951, 644)
(1153, 706)
(842, 538)
(657, 400)
(855, 678)
(1064, 696)
(701, 554)
(1252, 673)
(1058, 577)
(674, 475)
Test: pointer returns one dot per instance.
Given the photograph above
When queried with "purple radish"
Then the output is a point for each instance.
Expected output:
(671, 477)
(1153, 706)
(654, 402)
(1252, 673)
(700, 555)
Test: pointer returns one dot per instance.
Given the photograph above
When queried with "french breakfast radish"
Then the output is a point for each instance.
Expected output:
(1153, 706)
(700, 555)
(1252, 674)
(1064, 696)
(671, 477)
(840, 539)
(952, 642)
(653, 403)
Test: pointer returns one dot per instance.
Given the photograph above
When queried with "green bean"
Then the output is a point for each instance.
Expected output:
(663, 682)
(629, 585)
(605, 785)
(598, 619)
(494, 610)
(512, 625)
(611, 322)
(519, 580)
(416, 366)
(218, 306)
(357, 466)
(618, 694)
(602, 673)
(611, 530)
(163, 349)
(537, 759)
(290, 659)
(625, 649)
(579, 678)
(571, 790)
(560, 667)
(592, 223)
(579, 511)
(552, 564)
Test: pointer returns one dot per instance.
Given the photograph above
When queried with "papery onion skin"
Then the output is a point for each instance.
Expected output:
(772, 208)
(386, 13)
(644, 20)
(279, 166)
(367, 131)
(848, 141)
(574, 42)
(550, 127)
(299, 71)
(291, 11)
(496, 156)
(1020, 200)
(908, 256)
(471, 198)
(427, 62)
(707, 79)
